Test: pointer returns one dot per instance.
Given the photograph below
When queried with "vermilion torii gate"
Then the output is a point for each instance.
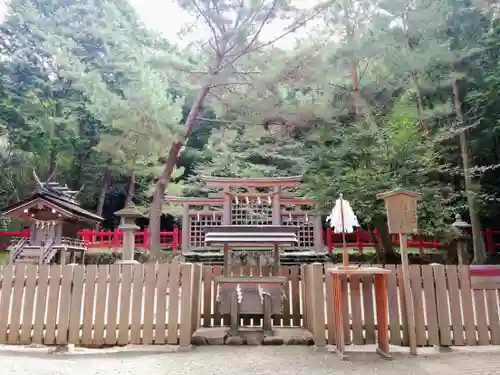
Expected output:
(249, 201)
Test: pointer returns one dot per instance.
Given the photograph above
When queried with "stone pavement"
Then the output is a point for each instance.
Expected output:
(248, 360)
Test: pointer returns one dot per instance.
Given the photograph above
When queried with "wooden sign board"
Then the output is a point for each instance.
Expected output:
(401, 206)
(484, 277)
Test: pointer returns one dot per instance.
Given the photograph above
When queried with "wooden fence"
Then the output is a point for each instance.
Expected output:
(165, 303)
(447, 311)
(99, 305)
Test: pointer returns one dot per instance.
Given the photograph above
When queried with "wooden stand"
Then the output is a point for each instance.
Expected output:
(340, 276)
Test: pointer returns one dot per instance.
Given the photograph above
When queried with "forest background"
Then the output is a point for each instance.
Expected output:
(366, 96)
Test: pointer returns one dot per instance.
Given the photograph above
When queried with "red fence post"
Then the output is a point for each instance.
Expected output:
(490, 245)
(359, 243)
(329, 239)
(175, 235)
(116, 238)
(145, 237)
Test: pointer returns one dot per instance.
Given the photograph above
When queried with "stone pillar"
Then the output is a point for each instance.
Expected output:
(128, 215)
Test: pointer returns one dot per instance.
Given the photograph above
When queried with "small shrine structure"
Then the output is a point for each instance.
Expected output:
(262, 201)
(53, 213)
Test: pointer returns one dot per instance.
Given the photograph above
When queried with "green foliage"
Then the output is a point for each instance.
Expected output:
(359, 163)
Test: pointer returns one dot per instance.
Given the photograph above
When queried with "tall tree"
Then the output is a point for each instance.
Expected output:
(236, 35)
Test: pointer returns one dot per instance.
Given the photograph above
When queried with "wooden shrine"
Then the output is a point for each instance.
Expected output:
(53, 213)
(249, 201)
(238, 296)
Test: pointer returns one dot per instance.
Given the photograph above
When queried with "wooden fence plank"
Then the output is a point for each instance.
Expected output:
(481, 320)
(89, 304)
(196, 297)
(217, 271)
(100, 310)
(492, 308)
(295, 295)
(456, 312)
(368, 309)
(185, 328)
(287, 318)
(405, 341)
(443, 307)
(53, 302)
(393, 306)
(418, 304)
(347, 312)
(467, 306)
(318, 304)
(161, 304)
(41, 303)
(356, 318)
(64, 305)
(17, 301)
(430, 305)
(112, 309)
(28, 305)
(330, 308)
(149, 303)
(125, 305)
(207, 296)
(137, 303)
(7, 283)
(255, 271)
(75, 312)
(173, 303)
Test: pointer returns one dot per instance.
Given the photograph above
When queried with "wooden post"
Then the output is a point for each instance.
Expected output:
(319, 246)
(226, 208)
(276, 209)
(185, 228)
(276, 260)
(410, 312)
(226, 271)
(266, 320)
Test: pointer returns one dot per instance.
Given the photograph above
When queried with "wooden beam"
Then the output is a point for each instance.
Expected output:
(219, 182)
(195, 201)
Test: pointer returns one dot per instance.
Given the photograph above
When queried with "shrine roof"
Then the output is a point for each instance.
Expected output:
(56, 195)
(211, 181)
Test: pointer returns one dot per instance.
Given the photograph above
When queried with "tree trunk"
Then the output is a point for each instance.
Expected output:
(102, 195)
(163, 180)
(52, 165)
(385, 240)
(477, 236)
(131, 189)
(420, 103)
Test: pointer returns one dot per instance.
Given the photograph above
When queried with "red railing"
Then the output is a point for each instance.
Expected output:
(5, 244)
(114, 238)
(360, 239)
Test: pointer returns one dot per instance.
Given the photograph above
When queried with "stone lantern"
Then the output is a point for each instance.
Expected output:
(460, 227)
(128, 215)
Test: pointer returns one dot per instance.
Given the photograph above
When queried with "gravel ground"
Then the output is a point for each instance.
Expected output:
(211, 361)
(248, 360)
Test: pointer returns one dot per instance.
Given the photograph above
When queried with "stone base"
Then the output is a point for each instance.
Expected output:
(129, 261)
(252, 336)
